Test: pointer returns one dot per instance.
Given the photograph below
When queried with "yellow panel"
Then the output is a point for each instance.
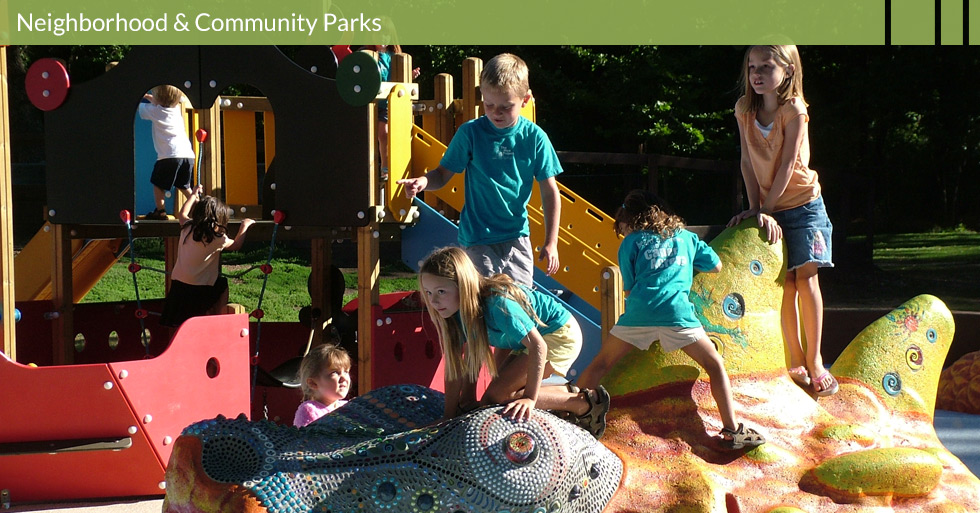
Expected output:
(400, 123)
(33, 265)
(528, 111)
(238, 131)
(581, 259)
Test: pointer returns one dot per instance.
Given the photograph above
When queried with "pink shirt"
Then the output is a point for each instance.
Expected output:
(765, 153)
(312, 410)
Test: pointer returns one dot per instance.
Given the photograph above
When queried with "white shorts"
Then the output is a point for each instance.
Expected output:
(671, 337)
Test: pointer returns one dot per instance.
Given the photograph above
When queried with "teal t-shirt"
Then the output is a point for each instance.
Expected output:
(508, 323)
(658, 274)
(501, 167)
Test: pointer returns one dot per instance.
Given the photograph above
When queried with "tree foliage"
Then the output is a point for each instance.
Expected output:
(893, 130)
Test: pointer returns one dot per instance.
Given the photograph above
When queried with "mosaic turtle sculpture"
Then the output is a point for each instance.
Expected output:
(870, 447)
(372, 455)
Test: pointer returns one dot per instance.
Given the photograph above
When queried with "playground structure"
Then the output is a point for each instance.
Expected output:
(312, 138)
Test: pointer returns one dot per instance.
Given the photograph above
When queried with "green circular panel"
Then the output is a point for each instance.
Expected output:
(358, 79)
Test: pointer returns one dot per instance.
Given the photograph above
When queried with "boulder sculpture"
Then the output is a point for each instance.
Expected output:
(870, 447)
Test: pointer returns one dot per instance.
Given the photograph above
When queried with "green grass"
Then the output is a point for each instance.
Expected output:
(945, 264)
(926, 251)
(286, 291)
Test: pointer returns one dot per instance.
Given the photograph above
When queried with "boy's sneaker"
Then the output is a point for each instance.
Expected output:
(156, 215)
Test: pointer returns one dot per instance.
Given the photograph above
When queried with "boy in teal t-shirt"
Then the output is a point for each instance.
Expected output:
(502, 155)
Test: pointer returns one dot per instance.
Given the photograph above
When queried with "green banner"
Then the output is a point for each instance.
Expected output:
(414, 22)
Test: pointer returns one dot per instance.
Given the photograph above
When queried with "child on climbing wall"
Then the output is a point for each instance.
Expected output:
(533, 334)
(175, 155)
(658, 258)
(324, 376)
(502, 154)
(196, 287)
(784, 196)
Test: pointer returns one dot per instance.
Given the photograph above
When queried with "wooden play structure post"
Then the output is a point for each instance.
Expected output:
(321, 258)
(401, 68)
(62, 330)
(368, 300)
(7, 330)
(210, 160)
(612, 298)
(443, 126)
(472, 98)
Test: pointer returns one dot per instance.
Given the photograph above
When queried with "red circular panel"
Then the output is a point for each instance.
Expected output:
(47, 84)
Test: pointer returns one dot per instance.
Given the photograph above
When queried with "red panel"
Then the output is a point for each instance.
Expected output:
(406, 345)
(390, 301)
(74, 402)
(95, 321)
(406, 350)
(83, 475)
(66, 403)
(203, 373)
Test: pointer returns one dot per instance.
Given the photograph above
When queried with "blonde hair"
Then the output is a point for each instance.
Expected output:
(792, 86)
(167, 95)
(506, 72)
(324, 356)
(453, 264)
(644, 210)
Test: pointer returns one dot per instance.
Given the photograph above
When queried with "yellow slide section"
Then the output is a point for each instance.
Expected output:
(90, 261)
(587, 240)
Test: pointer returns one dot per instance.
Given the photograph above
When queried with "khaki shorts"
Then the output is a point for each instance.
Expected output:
(671, 337)
(564, 345)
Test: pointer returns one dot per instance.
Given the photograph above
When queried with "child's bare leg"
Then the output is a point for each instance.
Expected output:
(613, 349)
(159, 197)
(703, 352)
(511, 379)
(559, 398)
(811, 311)
(187, 193)
(790, 320)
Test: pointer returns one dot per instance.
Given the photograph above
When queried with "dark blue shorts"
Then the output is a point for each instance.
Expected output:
(807, 234)
(170, 173)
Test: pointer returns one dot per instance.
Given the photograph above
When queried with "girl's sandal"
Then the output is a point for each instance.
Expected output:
(741, 437)
(831, 389)
(594, 420)
(800, 376)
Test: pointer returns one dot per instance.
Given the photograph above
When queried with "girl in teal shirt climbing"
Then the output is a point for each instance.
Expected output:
(658, 258)
(534, 337)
